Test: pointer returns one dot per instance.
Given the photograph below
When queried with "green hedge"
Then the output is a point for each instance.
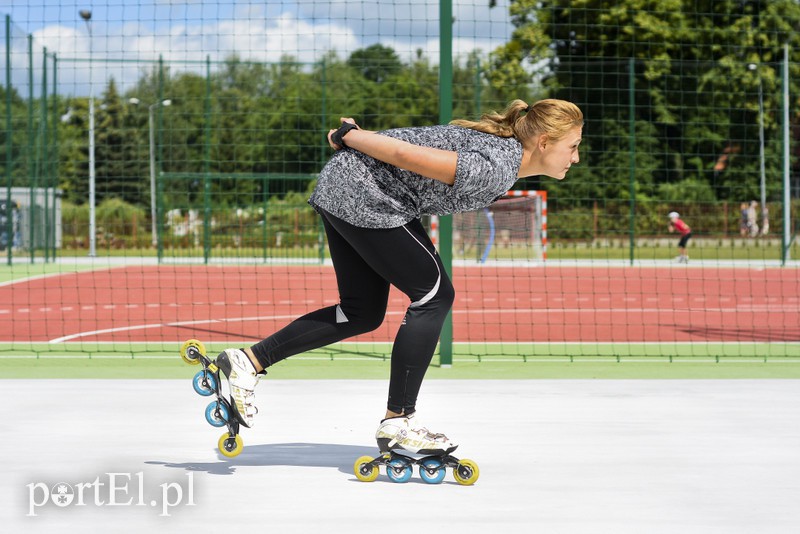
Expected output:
(291, 222)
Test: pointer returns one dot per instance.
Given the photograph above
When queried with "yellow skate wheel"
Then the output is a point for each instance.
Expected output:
(230, 446)
(466, 472)
(186, 354)
(364, 471)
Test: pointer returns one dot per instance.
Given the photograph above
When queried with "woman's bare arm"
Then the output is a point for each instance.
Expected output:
(432, 163)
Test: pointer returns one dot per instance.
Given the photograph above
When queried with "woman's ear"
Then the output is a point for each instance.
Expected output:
(542, 142)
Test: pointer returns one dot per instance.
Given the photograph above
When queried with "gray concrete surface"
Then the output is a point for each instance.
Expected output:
(561, 456)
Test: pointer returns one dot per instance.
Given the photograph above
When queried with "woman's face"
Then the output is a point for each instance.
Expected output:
(559, 156)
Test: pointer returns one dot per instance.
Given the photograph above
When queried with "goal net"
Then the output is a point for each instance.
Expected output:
(514, 228)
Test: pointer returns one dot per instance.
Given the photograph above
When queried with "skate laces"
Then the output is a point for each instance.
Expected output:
(422, 432)
(248, 400)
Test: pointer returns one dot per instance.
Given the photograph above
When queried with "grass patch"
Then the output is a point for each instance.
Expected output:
(305, 367)
(471, 361)
(19, 271)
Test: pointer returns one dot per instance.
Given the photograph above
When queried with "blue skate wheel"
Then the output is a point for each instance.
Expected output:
(204, 383)
(399, 470)
(217, 414)
(432, 471)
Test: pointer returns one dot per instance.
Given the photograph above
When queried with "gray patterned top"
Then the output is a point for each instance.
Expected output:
(371, 194)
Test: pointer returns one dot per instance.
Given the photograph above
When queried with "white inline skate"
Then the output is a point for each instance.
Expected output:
(398, 435)
(232, 410)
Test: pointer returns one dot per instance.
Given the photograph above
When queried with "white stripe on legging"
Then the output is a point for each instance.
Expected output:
(432, 292)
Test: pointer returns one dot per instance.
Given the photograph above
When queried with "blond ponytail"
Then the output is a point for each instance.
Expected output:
(552, 117)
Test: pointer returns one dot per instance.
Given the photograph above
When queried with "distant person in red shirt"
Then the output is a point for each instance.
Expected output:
(677, 225)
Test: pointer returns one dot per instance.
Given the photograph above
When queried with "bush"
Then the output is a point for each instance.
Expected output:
(74, 218)
(118, 224)
(117, 217)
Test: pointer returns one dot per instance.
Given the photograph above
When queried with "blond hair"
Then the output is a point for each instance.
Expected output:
(555, 118)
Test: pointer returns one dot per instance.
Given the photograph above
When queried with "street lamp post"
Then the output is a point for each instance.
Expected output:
(86, 15)
(151, 124)
(166, 102)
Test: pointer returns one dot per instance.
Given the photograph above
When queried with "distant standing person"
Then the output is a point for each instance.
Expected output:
(744, 226)
(752, 219)
(677, 225)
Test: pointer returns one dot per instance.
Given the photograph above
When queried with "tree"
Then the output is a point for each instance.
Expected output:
(118, 170)
(20, 149)
(376, 63)
(691, 70)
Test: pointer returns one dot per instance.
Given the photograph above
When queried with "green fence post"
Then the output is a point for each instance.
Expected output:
(207, 168)
(54, 163)
(264, 233)
(159, 169)
(45, 159)
(43, 167)
(632, 146)
(322, 155)
(9, 160)
(445, 115)
(786, 251)
(31, 155)
(478, 91)
(159, 216)
(323, 152)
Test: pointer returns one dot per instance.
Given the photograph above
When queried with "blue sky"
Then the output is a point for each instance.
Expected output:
(191, 30)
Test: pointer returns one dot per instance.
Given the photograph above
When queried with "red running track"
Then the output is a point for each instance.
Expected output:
(509, 304)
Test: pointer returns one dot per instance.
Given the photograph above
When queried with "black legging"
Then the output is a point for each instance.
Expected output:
(366, 262)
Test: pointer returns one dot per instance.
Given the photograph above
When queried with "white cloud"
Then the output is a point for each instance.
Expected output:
(303, 29)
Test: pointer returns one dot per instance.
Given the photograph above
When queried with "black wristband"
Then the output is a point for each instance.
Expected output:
(338, 136)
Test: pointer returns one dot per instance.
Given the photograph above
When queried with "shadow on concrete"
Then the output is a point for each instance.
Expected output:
(341, 457)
